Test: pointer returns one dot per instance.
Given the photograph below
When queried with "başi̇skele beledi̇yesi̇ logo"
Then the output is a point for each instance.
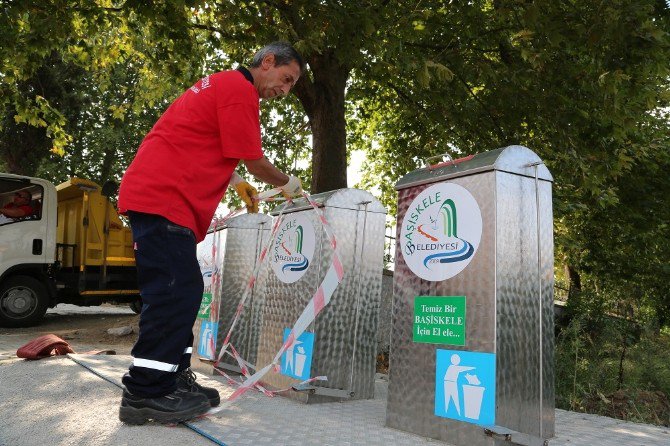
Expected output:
(441, 231)
(293, 248)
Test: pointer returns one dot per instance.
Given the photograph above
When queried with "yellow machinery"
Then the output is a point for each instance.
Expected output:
(92, 239)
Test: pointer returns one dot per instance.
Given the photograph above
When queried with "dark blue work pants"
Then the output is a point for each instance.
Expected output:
(171, 286)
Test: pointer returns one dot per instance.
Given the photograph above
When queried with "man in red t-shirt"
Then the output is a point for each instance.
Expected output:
(170, 193)
(19, 207)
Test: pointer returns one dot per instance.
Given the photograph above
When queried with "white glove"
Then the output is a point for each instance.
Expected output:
(235, 179)
(293, 188)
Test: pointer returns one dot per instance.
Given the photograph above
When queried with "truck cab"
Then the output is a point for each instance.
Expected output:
(70, 247)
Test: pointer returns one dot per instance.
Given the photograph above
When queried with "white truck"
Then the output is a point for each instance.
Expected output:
(71, 247)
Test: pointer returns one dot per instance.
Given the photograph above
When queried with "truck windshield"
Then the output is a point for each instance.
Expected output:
(19, 201)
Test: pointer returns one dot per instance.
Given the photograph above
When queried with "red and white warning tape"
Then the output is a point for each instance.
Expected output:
(317, 303)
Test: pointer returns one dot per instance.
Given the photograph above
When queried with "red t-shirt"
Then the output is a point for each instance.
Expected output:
(184, 164)
(25, 208)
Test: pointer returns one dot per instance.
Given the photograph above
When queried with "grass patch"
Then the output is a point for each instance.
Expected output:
(614, 368)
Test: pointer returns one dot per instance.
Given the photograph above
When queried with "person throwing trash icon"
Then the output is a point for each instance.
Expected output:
(450, 383)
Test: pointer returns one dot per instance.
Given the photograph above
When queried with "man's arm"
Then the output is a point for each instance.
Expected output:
(265, 171)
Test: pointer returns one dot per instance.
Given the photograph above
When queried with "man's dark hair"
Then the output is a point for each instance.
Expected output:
(284, 54)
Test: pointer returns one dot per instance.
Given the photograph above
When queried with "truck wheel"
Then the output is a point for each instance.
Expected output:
(23, 302)
(136, 306)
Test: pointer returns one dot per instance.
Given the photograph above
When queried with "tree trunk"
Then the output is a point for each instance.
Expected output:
(575, 281)
(323, 100)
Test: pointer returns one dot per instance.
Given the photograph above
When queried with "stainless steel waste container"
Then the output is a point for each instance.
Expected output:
(227, 257)
(341, 343)
(471, 359)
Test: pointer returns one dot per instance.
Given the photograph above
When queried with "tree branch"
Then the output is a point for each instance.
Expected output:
(496, 124)
(408, 100)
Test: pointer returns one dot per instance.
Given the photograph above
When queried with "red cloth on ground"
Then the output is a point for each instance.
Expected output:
(43, 347)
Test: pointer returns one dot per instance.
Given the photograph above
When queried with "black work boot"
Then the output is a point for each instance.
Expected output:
(172, 408)
(186, 383)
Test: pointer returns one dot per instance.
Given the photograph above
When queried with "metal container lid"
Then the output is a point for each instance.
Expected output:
(518, 160)
(347, 198)
(243, 221)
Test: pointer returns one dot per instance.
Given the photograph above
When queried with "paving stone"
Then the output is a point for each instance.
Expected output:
(259, 420)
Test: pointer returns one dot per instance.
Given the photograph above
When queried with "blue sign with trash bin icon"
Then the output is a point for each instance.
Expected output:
(465, 386)
(296, 362)
(207, 339)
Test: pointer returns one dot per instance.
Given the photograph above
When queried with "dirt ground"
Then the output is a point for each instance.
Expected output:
(641, 406)
(84, 328)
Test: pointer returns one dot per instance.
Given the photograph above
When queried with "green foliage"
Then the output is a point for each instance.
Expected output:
(583, 84)
(647, 367)
(107, 130)
(619, 371)
(26, 137)
(544, 80)
(79, 48)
